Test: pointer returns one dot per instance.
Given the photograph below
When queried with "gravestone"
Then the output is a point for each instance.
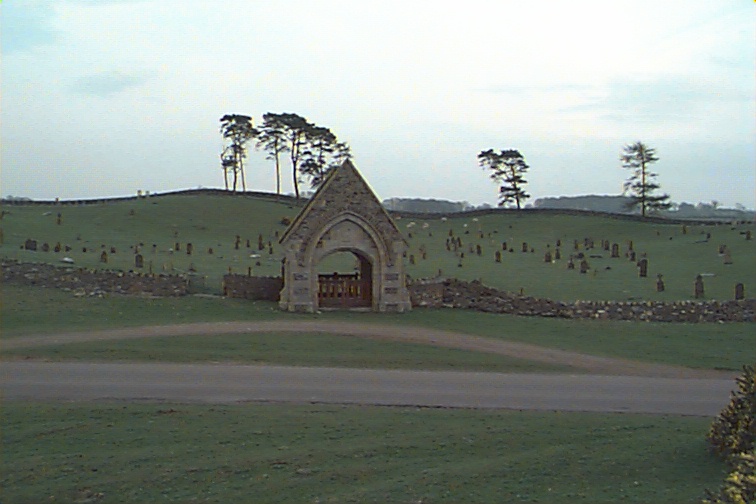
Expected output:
(139, 261)
(748, 235)
(57, 247)
(30, 244)
(104, 257)
(59, 220)
(739, 291)
(727, 256)
(659, 283)
(559, 242)
(643, 268)
(584, 267)
(503, 245)
(547, 256)
(189, 249)
(615, 250)
(177, 247)
(45, 247)
(557, 255)
(698, 287)
(630, 245)
(571, 264)
(210, 251)
(112, 250)
(606, 244)
(478, 250)
(524, 246)
(498, 256)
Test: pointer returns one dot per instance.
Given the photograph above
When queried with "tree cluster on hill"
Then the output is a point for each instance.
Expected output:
(417, 205)
(312, 150)
(622, 204)
(591, 202)
(507, 168)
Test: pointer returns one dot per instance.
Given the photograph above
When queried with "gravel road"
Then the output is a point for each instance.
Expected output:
(609, 385)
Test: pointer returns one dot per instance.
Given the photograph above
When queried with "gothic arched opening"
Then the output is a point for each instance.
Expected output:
(345, 280)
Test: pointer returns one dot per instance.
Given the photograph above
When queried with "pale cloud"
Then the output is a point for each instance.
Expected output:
(417, 89)
(107, 83)
(26, 26)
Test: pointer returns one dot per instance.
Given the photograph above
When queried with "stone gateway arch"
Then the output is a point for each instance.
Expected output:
(344, 215)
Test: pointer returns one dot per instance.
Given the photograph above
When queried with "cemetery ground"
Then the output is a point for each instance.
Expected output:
(211, 224)
(121, 452)
(125, 452)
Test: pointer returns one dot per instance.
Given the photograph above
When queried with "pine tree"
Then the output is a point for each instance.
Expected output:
(507, 169)
(642, 183)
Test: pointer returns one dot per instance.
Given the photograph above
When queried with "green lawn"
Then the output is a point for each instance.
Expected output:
(206, 222)
(27, 310)
(300, 349)
(114, 453)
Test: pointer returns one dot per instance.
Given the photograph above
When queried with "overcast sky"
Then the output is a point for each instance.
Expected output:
(105, 97)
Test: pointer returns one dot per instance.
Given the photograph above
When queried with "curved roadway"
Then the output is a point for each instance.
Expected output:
(616, 385)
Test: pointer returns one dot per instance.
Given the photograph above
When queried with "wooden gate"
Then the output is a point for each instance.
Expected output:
(344, 291)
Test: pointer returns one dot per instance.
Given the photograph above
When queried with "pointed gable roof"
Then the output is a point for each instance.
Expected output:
(343, 191)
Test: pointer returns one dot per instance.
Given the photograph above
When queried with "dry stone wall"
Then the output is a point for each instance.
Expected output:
(449, 293)
(85, 282)
(474, 295)
(251, 287)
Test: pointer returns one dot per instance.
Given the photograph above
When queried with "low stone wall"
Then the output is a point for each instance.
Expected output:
(450, 293)
(251, 287)
(84, 282)
(476, 296)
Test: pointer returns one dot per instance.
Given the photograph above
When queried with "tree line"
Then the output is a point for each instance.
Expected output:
(508, 168)
(311, 150)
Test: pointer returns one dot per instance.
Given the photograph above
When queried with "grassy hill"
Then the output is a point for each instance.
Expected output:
(212, 221)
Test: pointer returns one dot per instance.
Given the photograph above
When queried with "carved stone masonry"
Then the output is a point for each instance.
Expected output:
(344, 216)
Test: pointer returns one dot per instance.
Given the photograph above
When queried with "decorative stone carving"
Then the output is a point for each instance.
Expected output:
(344, 215)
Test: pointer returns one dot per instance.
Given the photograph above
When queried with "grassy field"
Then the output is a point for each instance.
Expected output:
(300, 349)
(27, 310)
(113, 453)
(209, 221)
(63, 452)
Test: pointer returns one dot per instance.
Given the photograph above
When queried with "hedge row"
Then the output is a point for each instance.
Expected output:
(733, 436)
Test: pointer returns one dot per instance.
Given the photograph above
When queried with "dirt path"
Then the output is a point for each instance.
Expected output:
(583, 362)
